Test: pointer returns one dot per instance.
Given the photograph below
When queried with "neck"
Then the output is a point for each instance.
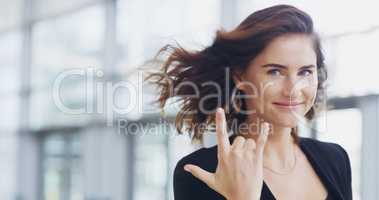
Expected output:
(279, 148)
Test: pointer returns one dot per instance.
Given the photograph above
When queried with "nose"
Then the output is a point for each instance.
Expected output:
(291, 88)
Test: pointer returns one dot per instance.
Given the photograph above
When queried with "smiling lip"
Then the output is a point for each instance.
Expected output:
(288, 104)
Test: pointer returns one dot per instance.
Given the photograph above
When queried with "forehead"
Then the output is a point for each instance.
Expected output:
(292, 50)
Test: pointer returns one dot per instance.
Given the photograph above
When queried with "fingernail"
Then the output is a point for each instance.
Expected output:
(219, 109)
(265, 127)
(186, 168)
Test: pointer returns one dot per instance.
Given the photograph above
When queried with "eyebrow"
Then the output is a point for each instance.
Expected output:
(285, 67)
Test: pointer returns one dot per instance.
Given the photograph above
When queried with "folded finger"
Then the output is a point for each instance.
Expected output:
(250, 144)
(238, 143)
(262, 138)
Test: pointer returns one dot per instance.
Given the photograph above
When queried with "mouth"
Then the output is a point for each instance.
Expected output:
(288, 105)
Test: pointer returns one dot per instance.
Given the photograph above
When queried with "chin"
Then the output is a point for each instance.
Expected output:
(288, 125)
(285, 121)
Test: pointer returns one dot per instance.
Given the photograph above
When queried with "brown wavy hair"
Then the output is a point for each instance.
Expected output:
(230, 51)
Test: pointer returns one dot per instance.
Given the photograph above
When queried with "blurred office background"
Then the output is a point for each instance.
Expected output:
(48, 154)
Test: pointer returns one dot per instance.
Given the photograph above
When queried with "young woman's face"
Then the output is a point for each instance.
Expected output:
(282, 80)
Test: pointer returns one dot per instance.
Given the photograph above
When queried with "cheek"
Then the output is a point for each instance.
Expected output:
(308, 87)
(268, 93)
(311, 88)
(312, 81)
(261, 95)
(310, 94)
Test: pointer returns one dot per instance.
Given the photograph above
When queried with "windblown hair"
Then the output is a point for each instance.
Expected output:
(230, 51)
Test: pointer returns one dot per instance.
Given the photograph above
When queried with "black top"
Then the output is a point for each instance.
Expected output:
(329, 160)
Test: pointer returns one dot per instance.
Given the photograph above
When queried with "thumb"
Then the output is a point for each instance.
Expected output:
(201, 174)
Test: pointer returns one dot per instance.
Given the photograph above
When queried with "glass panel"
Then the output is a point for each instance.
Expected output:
(53, 178)
(75, 148)
(151, 151)
(192, 24)
(10, 45)
(349, 137)
(46, 8)
(54, 145)
(48, 111)
(9, 112)
(8, 153)
(141, 35)
(10, 14)
(70, 42)
(76, 180)
(62, 170)
(354, 72)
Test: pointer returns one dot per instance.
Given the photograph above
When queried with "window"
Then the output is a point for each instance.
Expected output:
(61, 167)
(151, 164)
(140, 36)
(355, 72)
(69, 42)
(10, 45)
(349, 137)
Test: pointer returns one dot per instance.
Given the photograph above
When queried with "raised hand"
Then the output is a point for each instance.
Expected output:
(239, 173)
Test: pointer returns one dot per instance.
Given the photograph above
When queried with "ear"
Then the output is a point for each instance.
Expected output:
(238, 79)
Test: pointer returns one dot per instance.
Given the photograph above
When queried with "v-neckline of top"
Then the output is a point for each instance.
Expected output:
(315, 167)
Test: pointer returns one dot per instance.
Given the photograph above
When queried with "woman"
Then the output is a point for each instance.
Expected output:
(262, 78)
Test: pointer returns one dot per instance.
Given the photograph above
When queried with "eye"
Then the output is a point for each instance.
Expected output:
(306, 72)
(273, 72)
